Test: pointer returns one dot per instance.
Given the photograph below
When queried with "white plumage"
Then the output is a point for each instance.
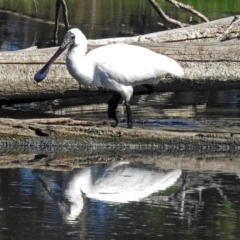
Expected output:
(118, 67)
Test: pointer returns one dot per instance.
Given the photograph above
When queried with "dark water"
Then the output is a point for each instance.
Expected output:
(172, 203)
(41, 204)
(33, 24)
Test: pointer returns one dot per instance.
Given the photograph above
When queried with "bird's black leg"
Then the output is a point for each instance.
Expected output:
(129, 115)
(116, 98)
(112, 106)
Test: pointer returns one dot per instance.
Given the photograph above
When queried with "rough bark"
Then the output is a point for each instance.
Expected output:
(207, 62)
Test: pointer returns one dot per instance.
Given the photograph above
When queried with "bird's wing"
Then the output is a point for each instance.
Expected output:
(132, 65)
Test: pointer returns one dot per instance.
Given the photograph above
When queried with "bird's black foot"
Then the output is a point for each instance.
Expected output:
(112, 106)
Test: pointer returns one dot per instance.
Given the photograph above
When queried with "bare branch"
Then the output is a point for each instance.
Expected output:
(65, 17)
(175, 3)
(161, 24)
(163, 14)
(18, 5)
(36, 4)
(226, 34)
(65, 14)
(188, 8)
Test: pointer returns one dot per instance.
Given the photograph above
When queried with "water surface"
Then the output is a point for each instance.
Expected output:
(185, 204)
(28, 24)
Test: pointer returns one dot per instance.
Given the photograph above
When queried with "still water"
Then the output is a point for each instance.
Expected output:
(119, 201)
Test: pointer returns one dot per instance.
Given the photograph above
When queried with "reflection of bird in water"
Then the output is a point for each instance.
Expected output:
(117, 183)
(117, 67)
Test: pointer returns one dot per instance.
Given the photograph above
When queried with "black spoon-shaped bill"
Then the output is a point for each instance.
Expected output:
(41, 75)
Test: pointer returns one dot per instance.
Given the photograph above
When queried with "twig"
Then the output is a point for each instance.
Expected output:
(226, 34)
(18, 5)
(36, 3)
(161, 24)
(188, 8)
(65, 14)
(163, 14)
(178, 5)
(65, 17)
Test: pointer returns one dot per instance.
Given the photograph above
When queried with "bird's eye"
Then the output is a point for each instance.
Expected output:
(72, 36)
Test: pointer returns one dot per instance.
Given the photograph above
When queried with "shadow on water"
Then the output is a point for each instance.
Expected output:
(120, 200)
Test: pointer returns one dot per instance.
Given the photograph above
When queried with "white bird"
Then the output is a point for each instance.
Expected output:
(117, 67)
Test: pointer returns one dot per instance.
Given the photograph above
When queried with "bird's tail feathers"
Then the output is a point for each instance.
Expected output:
(175, 69)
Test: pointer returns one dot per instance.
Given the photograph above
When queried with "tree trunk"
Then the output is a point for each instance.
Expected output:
(207, 62)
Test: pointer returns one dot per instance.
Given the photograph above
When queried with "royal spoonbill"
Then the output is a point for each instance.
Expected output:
(117, 67)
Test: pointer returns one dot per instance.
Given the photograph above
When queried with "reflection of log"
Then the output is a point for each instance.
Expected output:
(208, 64)
(164, 159)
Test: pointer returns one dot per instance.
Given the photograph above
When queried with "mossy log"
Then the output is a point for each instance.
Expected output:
(207, 62)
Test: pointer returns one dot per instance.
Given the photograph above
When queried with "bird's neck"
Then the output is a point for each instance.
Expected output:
(76, 53)
(77, 66)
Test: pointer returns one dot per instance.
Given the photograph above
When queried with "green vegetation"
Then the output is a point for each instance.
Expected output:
(213, 9)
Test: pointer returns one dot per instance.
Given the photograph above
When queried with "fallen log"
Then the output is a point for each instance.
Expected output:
(207, 62)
